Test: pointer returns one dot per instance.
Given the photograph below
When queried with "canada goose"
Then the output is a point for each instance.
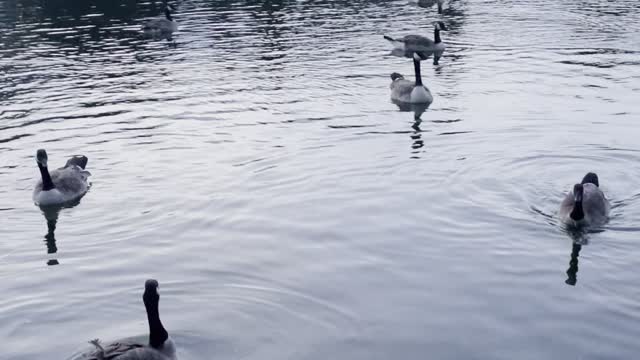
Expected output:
(162, 25)
(421, 45)
(586, 204)
(160, 346)
(406, 91)
(430, 3)
(63, 185)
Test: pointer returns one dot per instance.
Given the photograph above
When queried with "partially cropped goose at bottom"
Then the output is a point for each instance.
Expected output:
(406, 91)
(160, 346)
(62, 185)
(586, 204)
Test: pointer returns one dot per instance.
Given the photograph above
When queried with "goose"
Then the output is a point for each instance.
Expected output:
(160, 346)
(586, 204)
(62, 185)
(406, 91)
(161, 25)
(422, 45)
(430, 3)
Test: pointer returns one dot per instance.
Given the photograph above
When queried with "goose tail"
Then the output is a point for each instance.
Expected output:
(591, 178)
(78, 160)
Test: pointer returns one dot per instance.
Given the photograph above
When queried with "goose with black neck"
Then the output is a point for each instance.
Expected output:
(406, 91)
(159, 347)
(62, 185)
(586, 205)
(409, 45)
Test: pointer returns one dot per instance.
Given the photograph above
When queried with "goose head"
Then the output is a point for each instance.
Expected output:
(439, 25)
(42, 158)
(577, 213)
(151, 296)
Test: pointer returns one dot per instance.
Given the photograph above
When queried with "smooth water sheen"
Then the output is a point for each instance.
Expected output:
(255, 166)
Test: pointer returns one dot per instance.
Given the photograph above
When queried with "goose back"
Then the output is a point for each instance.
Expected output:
(595, 206)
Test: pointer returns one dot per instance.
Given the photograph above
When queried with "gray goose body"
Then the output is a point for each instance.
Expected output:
(125, 350)
(430, 3)
(62, 185)
(162, 25)
(409, 92)
(586, 204)
(421, 45)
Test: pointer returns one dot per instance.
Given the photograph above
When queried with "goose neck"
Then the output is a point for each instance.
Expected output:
(578, 212)
(416, 67)
(157, 333)
(47, 183)
(436, 36)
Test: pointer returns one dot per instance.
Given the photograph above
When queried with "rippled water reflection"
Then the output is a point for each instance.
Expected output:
(255, 165)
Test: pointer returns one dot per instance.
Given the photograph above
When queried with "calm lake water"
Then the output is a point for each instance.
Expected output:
(256, 167)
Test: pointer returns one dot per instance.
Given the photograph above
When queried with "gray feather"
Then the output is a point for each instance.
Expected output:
(401, 89)
(123, 350)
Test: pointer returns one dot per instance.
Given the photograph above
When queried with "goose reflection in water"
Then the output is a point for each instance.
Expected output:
(416, 136)
(51, 214)
(579, 237)
(572, 272)
(417, 109)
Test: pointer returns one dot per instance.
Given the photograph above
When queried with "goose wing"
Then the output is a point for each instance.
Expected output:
(417, 43)
(401, 90)
(114, 351)
(594, 202)
(70, 179)
(141, 353)
(566, 206)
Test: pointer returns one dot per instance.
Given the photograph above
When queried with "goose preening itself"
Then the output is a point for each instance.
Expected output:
(162, 25)
(422, 45)
(62, 185)
(430, 3)
(407, 91)
(160, 346)
(586, 204)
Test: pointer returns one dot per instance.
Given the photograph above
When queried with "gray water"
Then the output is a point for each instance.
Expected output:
(256, 167)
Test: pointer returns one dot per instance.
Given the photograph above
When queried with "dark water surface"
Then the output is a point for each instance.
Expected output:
(255, 166)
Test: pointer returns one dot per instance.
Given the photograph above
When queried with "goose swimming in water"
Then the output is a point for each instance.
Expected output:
(422, 45)
(406, 91)
(430, 3)
(160, 346)
(163, 25)
(62, 185)
(586, 204)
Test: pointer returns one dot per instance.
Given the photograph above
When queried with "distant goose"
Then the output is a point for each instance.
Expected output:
(160, 346)
(430, 3)
(63, 185)
(163, 25)
(422, 45)
(406, 91)
(586, 204)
